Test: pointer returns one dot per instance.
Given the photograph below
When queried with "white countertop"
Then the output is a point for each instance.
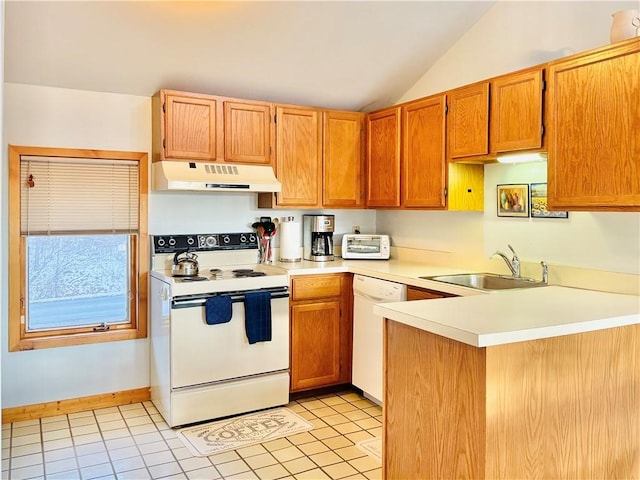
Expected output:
(482, 318)
(510, 316)
(407, 273)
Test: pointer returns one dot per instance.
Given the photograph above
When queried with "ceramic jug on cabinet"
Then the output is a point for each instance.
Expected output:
(625, 25)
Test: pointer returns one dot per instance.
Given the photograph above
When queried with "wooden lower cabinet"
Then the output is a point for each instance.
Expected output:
(321, 330)
(560, 407)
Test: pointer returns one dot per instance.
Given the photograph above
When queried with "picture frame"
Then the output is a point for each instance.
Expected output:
(513, 200)
(538, 203)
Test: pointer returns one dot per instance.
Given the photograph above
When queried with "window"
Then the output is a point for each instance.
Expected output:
(78, 249)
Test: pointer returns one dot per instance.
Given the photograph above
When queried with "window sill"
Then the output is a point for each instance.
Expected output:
(25, 344)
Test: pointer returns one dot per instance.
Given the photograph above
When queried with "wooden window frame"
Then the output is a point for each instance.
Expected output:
(19, 339)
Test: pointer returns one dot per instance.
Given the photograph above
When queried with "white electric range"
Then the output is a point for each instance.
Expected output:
(201, 371)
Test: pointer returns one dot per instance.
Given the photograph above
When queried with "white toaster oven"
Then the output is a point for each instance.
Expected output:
(361, 246)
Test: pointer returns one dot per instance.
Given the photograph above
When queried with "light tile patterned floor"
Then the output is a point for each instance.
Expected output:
(133, 442)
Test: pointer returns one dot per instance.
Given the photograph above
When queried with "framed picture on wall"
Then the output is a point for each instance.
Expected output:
(513, 200)
(539, 203)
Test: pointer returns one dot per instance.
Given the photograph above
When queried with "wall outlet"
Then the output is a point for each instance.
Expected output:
(355, 229)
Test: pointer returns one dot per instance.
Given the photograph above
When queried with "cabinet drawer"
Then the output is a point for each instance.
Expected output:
(310, 287)
(418, 293)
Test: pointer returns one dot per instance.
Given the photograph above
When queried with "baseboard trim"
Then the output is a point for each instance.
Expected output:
(73, 405)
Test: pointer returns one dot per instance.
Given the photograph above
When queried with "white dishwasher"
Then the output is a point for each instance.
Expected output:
(367, 331)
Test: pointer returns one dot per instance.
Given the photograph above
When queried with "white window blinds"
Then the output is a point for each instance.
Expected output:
(78, 195)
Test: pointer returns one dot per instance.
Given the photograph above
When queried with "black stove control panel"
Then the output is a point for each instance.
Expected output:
(203, 242)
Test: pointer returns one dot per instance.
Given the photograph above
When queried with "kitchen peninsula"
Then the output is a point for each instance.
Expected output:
(537, 383)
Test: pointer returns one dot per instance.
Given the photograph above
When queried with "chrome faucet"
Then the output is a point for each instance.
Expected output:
(513, 264)
(545, 272)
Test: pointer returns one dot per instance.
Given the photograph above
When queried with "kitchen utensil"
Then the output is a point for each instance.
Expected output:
(185, 264)
(269, 228)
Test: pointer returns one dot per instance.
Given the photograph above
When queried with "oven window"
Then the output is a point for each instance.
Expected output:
(76, 281)
(78, 255)
(366, 245)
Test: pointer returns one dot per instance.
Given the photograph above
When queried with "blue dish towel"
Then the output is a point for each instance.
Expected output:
(257, 316)
(218, 309)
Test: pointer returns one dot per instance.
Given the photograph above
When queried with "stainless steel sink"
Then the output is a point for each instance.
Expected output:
(487, 281)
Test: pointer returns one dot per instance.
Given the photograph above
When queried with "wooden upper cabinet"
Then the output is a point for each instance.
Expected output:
(299, 156)
(383, 158)
(465, 186)
(247, 137)
(516, 111)
(189, 127)
(594, 130)
(423, 153)
(343, 159)
(468, 121)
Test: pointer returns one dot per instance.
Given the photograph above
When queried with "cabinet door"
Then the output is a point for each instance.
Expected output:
(315, 335)
(465, 187)
(516, 111)
(190, 127)
(594, 125)
(298, 157)
(423, 153)
(468, 121)
(343, 159)
(247, 129)
(383, 158)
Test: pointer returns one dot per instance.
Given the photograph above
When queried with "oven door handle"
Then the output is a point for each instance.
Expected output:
(199, 301)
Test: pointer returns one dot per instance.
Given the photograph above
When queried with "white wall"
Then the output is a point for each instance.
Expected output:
(514, 35)
(53, 117)
(50, 117)
(4, 308)
(598, 241)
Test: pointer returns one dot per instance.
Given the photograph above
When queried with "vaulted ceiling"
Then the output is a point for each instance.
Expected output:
(357, 55)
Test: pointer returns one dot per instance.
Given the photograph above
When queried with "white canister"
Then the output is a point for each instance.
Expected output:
(625, 25)
(290, 233)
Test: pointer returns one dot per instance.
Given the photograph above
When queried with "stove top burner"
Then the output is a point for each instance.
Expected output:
(246, 272)
(216, 273)
(193, 279)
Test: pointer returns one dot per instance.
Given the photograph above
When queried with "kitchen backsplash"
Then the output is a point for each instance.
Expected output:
(171, 212)
(599, 241)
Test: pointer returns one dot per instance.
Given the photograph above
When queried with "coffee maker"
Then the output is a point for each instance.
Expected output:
(317, 241)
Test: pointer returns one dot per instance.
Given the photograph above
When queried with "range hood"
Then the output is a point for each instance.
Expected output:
(213, 177)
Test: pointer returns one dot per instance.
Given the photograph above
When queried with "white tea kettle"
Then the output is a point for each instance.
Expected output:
(185, 264)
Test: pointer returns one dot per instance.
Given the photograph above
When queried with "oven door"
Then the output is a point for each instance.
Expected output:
(203, 354)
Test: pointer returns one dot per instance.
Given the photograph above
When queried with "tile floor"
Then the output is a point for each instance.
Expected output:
(134, 442)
